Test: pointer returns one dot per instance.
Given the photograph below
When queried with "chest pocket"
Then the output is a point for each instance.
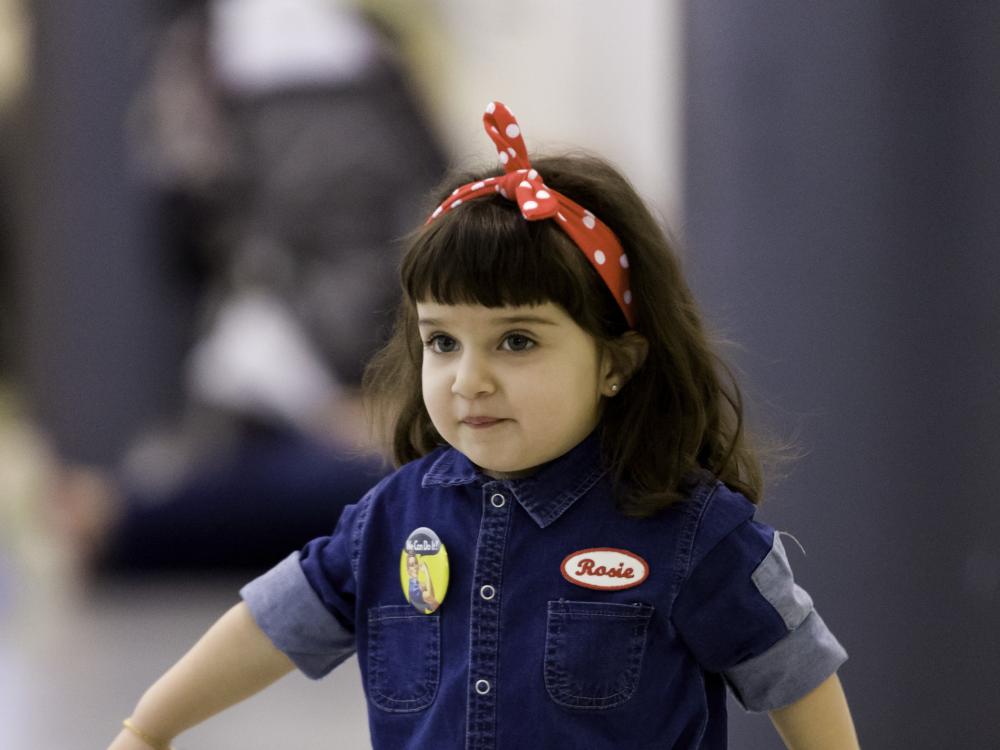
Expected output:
(404, 658)
(593, 652)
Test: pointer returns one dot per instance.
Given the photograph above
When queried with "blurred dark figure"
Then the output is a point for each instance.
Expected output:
(6, 231)
(291, 156)
(13, 70)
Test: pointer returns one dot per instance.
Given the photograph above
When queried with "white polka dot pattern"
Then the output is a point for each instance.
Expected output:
(521, 183)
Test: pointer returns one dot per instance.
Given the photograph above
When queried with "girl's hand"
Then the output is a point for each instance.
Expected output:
(232, 661)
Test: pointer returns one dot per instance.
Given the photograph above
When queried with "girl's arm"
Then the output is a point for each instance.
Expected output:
(231, 662)
(819, 720)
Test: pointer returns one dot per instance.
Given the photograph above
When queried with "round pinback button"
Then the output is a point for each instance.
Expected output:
(423, 570)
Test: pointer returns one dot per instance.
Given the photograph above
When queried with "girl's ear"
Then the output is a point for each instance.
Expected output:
(622, 357)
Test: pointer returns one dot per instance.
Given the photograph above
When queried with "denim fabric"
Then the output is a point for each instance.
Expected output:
(773, 579)
(518, 655)
(577, 676)
(285, 606)
(789, 669)
(404, 658)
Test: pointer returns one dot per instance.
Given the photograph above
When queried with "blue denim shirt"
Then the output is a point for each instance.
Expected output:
(520, 654)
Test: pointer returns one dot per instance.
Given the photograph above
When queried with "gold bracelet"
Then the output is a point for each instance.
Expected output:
(151, 741)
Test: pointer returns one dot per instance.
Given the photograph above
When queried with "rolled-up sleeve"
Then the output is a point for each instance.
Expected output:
(305, 604)
(287, 609)
(788, 670)
(742, 615)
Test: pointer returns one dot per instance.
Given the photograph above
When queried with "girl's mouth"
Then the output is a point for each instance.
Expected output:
(481, 422)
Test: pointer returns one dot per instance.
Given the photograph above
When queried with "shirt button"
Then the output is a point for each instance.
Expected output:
(482, 687)
(498, 500)
(487, 592)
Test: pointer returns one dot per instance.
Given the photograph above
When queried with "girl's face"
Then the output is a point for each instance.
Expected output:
(510, 387)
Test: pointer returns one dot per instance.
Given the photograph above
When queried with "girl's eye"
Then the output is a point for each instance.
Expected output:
(441, 344)
(518, 342)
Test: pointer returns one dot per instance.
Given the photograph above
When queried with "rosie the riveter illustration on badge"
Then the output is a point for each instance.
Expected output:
(423, 570)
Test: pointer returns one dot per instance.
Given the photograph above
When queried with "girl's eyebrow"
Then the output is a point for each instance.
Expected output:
(509, 320)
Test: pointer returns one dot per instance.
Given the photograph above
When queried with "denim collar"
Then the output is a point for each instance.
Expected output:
(546, 494)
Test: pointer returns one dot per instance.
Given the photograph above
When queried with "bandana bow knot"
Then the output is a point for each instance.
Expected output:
(522, 183)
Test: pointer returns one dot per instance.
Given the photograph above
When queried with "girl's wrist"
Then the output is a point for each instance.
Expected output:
(154, 742)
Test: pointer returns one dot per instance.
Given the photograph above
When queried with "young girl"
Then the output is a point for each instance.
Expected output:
(576, 469)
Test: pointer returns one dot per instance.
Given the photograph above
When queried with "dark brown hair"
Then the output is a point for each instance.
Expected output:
(681, 413)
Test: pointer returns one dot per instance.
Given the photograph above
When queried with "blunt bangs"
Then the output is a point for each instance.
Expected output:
(484, 252)
(681, 413)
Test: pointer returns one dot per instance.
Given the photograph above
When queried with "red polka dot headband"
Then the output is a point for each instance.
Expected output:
(536, 201)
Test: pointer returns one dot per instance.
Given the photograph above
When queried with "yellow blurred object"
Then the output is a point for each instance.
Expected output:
(14, 37)
(426, 49)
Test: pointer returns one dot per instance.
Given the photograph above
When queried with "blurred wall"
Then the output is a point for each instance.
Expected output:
(577, 73)
(100, 337)
(842, 178)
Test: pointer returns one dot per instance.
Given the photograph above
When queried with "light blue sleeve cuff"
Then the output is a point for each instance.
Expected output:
(290, 613)
(775, 582)
(790, 669)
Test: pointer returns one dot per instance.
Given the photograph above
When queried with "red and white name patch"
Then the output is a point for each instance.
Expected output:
(604, 568)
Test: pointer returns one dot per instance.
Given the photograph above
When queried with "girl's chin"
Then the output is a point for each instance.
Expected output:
(520, 473)
(502, 471)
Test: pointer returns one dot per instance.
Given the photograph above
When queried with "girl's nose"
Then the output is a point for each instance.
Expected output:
(472, 378)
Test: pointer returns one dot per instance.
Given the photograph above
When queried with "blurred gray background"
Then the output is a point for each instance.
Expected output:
(842, 177)
(832, 171)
